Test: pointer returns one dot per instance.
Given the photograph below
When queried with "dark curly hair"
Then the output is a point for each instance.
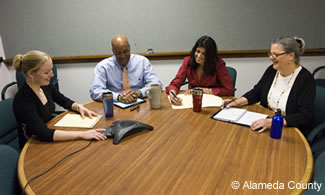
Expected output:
(211, 54)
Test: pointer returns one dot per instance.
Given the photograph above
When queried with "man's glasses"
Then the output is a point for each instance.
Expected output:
(275, 55)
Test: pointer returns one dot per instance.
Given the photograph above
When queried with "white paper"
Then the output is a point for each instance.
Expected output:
(230, 114)
(208, 100)
(239, 116)
(250, 117)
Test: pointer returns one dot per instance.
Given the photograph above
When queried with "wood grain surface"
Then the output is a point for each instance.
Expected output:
(186, 153)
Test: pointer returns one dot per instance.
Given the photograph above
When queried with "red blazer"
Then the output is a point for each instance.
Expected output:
(220, 82)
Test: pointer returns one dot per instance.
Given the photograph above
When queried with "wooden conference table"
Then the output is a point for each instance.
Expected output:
(186, 153)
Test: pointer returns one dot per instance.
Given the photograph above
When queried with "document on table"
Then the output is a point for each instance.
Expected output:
(238, 116)
(75, 120)
(208, 100)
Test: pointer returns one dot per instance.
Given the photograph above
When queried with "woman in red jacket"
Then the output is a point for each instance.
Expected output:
(203, 68)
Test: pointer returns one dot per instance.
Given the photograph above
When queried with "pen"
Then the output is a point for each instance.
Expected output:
(225, 105)
(135, 108)
(174, 94)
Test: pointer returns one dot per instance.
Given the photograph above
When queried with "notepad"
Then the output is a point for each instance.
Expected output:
(123, 105)
(238, 116)
(208, 100)
(75, 120)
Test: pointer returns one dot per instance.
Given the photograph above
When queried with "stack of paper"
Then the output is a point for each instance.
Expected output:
(75, 120)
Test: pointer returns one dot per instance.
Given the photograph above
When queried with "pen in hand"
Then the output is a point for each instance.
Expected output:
(227, 103)
(174, 95)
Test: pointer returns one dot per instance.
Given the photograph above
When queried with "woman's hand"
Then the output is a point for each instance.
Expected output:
(85, 112)
(227, 103)
(175, 100)
(93, 134)
(261, 125)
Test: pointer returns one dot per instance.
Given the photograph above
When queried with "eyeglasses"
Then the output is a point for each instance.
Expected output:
(276, 54)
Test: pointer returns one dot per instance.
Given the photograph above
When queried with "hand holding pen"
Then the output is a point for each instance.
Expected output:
(227, 103)
(174, 99)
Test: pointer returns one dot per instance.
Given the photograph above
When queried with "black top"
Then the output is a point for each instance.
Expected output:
(32, 115)
(300, 103)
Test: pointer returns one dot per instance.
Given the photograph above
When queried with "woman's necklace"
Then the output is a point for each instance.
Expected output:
(274, 85)
(38, 91)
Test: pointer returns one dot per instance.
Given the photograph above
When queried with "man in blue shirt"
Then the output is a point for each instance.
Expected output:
(108, 74)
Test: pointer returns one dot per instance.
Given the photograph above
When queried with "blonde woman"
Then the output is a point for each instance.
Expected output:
(34, 103)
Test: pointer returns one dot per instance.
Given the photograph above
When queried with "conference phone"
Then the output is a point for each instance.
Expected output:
(123, 128)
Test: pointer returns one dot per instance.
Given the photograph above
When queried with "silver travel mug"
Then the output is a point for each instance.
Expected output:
(108, 104)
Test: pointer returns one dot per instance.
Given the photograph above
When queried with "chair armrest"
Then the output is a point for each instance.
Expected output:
(313, 134)
(317, 69)
(4, 89)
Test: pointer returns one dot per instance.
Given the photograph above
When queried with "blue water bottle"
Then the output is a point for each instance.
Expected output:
(277, 123)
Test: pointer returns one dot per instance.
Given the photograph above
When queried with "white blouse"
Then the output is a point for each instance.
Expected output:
(280, 90)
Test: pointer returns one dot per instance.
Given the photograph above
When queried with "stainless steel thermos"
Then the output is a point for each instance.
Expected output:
(108, 104)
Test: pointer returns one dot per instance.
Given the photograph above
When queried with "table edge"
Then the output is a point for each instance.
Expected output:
(309, 165)
(21, 173)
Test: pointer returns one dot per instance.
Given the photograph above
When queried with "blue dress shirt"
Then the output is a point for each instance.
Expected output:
(108, 76)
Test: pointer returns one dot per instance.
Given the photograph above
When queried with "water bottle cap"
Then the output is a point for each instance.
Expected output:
(278, 111)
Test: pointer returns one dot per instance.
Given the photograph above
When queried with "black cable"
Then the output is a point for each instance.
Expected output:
(49, 169)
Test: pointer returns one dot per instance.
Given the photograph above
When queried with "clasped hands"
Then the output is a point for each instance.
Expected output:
(128, 96)
(259, 125)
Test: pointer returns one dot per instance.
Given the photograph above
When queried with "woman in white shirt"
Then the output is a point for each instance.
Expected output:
(285, 85)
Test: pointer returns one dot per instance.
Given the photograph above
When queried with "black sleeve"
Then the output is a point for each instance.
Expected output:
(301, 114)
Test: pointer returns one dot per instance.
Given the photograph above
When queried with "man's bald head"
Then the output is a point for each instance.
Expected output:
(119, 40)
(121, 49)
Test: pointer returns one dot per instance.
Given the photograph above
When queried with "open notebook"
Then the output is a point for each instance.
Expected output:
(238, 116)
(75, 120)
(208, 100)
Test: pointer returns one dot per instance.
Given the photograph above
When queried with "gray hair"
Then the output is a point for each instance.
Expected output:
(292, 44)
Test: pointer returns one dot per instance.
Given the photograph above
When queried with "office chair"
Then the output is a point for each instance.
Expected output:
(20, 79)
(8, 127)
(319, 175)
(233, 73)
(8, 170)
(319, 81)
(317, 136)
